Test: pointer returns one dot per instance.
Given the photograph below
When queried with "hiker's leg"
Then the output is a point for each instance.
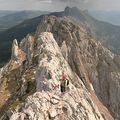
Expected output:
(64, 88)
(61, 88)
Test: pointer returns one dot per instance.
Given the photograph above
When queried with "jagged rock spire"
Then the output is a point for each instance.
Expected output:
(27, 45)
(30, 49)
(15, 51)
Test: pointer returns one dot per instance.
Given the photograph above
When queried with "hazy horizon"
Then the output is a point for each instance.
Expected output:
(57, 5)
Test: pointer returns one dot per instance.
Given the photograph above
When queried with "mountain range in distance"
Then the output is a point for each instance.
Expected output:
(112, 17)
(6, 12)
(12, 18)
(106, 33)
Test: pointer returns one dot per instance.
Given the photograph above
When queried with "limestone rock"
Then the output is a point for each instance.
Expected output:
(27, 45)
(50, 59)
(40, 107)
(90, 68)
(64, 50)
(48, 102)
(1, 72)
(15, 51)
(93, 63)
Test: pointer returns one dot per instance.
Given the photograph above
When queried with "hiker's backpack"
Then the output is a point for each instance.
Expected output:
(67, 82)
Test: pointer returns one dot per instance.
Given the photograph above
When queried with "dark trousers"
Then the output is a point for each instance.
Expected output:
(62, 88)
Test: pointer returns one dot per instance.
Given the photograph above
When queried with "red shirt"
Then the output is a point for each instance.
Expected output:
(64, 77)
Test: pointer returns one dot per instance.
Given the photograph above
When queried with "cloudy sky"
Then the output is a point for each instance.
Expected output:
(53, 5)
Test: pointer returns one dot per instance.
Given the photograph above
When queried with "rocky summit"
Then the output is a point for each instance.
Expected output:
(31, 83)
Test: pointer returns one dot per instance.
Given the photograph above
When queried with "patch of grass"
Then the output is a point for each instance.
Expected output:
(16, 104)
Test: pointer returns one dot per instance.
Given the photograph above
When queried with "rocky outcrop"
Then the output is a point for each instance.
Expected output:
(69, 107)
(48, 102)
(27, 45)
(90, 68)
(93, 63)
(15, 48)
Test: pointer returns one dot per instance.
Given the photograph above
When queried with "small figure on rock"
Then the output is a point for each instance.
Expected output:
(64, 82)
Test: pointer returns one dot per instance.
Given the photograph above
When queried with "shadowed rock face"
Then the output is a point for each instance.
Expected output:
(60, 45)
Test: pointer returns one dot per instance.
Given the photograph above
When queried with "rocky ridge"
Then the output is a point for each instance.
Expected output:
(71, 49)
(93, 63)
(47, 102)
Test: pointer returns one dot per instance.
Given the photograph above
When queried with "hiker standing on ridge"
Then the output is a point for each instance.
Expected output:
(64, 82)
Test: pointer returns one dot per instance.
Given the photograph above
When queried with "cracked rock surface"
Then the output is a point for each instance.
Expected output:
(30, 84)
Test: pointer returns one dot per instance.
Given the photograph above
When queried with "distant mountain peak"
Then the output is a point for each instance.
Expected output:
(71, 9)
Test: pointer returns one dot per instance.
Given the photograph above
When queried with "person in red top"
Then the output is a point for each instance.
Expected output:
(64, 76)
(64, 82)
